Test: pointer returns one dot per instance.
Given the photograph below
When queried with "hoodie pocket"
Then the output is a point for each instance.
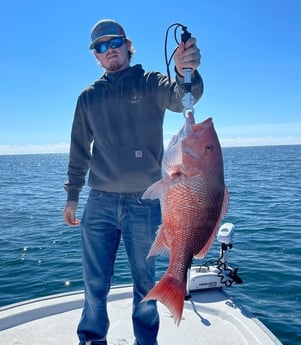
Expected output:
(124, 169)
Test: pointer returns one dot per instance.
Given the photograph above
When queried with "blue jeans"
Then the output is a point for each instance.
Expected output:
(107, 217)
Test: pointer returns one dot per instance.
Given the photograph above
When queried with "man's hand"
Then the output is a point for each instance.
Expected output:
(69, 213)
(187, 56)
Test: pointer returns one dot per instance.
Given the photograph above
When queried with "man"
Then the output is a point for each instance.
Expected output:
(122, 115)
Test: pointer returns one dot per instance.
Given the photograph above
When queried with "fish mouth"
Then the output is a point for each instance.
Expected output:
(203, 125)
(207, 122)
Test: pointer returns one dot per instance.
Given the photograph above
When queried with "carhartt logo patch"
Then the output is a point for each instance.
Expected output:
(138, 153)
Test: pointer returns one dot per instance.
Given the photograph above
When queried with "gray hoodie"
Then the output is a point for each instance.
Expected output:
(120, 117)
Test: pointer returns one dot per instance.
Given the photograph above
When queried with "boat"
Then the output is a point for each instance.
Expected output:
(210, 315)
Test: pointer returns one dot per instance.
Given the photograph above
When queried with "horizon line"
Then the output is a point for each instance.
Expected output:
(225, 143)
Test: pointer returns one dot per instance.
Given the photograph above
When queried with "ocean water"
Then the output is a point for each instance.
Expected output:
(40, 255)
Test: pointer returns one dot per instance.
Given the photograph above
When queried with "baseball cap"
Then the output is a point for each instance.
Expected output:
(105, 28)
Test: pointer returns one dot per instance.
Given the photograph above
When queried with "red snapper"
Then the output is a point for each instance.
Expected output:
(194, 201)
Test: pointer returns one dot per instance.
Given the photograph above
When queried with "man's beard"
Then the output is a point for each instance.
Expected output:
(114, 66)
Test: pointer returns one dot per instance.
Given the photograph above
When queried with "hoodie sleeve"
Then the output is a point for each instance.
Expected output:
(80, 150)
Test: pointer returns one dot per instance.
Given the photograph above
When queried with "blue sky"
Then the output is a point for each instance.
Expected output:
(251, 65)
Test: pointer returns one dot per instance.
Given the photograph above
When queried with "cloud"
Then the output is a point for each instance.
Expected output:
(33, 149)
(253, 141)
(265, 134)
(259, 141)
(225, 142)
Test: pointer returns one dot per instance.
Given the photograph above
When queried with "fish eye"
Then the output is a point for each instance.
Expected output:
(176, 174)
(209, 148)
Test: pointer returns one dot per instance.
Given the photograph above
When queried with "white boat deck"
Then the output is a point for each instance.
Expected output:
(210, 317)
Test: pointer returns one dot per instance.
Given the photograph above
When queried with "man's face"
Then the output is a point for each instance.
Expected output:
(113, 59)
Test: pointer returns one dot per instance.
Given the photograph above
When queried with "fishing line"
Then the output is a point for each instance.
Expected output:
(184, 37)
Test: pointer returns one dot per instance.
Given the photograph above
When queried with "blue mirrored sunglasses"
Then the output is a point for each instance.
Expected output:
(113, 43)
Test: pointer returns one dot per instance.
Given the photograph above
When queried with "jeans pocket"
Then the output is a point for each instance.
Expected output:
(95, 193)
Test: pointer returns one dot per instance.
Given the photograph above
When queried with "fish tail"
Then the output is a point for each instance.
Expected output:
(170, 292)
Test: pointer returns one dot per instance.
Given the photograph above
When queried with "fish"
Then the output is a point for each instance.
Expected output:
(194, 200)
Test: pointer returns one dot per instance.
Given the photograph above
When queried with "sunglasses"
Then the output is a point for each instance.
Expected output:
(113, 43)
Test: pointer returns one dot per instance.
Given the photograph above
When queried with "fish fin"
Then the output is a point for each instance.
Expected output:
(173, 158)
(159, 246)
(154, 191)
(225, 204)
(170, 292)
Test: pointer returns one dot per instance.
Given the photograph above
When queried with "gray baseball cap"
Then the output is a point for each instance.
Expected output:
(105, 28)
